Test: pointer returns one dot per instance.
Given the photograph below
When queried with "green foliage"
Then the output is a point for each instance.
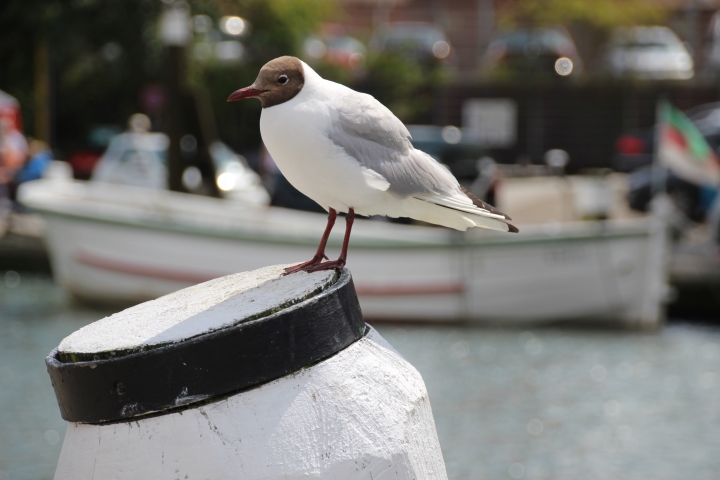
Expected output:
(104, 51)
(336, 73)
(281, 25)
(237, 122)
(278, 27)
(602, 14)
(100, 54)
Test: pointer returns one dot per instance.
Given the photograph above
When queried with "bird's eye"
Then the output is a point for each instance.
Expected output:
(283, 79)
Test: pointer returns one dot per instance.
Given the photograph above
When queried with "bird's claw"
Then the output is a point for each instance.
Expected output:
(302, 266)
(319, 267)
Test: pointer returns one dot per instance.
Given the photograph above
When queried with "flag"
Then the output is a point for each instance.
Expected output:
(683, 149)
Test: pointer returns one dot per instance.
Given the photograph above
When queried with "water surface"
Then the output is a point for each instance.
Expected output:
(537, 404)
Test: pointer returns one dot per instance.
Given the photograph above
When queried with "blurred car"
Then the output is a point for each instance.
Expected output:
(341, 50)
(424, 42)
(542, 50)
(635, 149)
(651, 53)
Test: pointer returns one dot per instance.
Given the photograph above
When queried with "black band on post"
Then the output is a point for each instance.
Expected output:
(210, 365)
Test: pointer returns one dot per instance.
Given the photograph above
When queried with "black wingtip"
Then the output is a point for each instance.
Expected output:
(485, 206)
(512, 228)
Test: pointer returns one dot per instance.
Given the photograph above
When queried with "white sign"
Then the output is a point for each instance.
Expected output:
(492, 121)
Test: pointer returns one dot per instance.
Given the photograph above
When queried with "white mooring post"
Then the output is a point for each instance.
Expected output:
(249, 376)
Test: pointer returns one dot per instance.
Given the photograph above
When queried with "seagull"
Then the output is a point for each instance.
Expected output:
(350, 154)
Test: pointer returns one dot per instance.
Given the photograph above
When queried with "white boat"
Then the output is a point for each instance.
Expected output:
(115, 243)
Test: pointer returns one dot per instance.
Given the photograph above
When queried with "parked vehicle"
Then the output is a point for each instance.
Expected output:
(542, 50)
(648, 53)
(425, 42)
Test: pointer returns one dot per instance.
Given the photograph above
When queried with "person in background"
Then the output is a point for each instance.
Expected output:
(13, 151)
(38, 159)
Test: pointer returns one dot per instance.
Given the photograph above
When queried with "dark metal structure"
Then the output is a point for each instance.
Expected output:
(209, 366)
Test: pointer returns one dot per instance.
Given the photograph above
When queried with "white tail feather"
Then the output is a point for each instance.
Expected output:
(451, 218)
(461, 203)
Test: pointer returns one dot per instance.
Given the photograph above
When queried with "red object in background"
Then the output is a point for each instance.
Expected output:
(675, 136)
(630, 145)
(83, 162)
(10, 108)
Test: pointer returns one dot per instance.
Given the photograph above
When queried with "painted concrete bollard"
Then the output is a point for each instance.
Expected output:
(249, 376)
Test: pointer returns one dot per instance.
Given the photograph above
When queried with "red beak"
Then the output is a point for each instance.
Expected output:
(247, 92)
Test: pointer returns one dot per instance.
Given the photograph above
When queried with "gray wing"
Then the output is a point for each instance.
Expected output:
(363, 116)
(379, 141)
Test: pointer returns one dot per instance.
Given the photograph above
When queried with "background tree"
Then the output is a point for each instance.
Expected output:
(102, 53)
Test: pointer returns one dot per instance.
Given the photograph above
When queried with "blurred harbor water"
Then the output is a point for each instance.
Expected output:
(549, 403)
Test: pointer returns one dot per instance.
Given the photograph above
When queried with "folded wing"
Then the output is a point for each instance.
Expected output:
(379, 141)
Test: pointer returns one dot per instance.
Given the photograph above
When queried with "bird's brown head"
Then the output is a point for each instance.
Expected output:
(278, 81)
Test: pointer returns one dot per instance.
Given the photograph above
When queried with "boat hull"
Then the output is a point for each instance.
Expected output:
(139, 250)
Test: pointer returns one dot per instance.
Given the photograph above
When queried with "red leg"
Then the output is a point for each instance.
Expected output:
(320, 253)
(340, 262)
